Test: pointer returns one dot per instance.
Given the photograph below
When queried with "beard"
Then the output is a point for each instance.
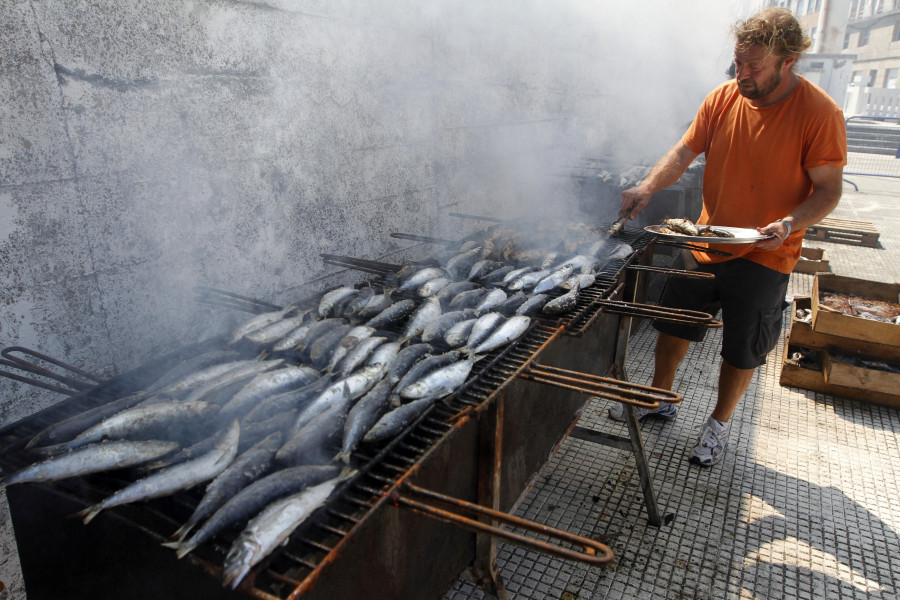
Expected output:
(761, 91)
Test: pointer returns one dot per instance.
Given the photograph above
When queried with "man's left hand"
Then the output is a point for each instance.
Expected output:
(777, 230)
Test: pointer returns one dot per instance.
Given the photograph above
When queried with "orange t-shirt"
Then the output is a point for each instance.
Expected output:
(756, 162)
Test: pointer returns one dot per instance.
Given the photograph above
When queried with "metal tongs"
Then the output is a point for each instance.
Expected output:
(618, 227)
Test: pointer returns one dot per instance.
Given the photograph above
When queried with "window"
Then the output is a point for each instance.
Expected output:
(819, 4)
(890, 78)
(847, 40)
(863, 38)
(873, 74)
(812, 34)
(896, 35)
(856, 78)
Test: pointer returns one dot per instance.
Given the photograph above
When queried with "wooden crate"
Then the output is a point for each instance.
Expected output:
(859, 233)
(812, 260)
(847, 326)
(802, 334)
(841, 373)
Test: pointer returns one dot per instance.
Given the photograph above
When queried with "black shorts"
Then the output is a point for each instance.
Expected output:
(751, 298)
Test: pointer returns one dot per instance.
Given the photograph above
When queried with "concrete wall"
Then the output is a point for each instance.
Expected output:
(148, 147)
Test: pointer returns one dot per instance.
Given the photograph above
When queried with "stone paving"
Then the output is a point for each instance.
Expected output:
(805, 505)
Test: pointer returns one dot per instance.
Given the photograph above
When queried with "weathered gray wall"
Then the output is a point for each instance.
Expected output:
(147, 147)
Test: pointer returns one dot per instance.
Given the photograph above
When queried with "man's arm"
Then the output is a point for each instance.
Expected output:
(664, 173)
(827, 183)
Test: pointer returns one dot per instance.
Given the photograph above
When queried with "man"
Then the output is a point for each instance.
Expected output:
(775, 148)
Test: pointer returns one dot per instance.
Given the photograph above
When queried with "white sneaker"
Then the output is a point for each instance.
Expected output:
(710, 448)
(665, 411)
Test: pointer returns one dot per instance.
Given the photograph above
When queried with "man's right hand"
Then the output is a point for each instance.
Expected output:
(634, 200)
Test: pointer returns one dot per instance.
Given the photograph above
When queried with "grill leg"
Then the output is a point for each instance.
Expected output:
(640, 458)
(490, 452)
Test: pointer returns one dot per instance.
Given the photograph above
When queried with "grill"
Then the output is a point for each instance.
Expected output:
(385, 532)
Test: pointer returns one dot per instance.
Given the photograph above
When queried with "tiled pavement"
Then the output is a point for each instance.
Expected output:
(805, 505)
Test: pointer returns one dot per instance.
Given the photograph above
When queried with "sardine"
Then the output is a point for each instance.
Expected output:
(429, 310)
(483, 327)
(384, 355)
(358, 355)
(280, 403)
(347, 343)
(489, 301)
(553, 280)
(527, 281)
(331, 299)
(621, 251)
(94, 458)
(317, 330)
(392, 423)
(244, 470)
(363, 416)
(255, 497)
(193, 365)
(420, 277)
(172, 479)
(318, 440)
(533, 305)
(293, 338)
(564, 303)
(433, 286)
(144, 420)
(436, 329)
(496, 276)
(510, 330)
(508, 307)
(449, 292)
(516, 273)
(375, 305)
(358, 302)
(458, 335)
(468, 299)
(582, 280)
(460, 265)
(355, 385)
(405, 359)
(234, 376)
(321, 350)
(425, 366)
(67, 429)
(198, 378)
(395, 312)
(482, 268)
(264, 385)
(256, 322)
(273, 332)
(272, 527)
(440, 382)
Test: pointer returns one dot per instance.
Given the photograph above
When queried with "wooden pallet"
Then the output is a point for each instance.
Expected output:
(859, 233)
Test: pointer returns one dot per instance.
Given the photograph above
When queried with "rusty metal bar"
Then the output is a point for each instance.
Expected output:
(660, 313)
(361, 264)
(594, 553)
(76, 386)
(674, 272)
(643, 396)
(423, 238)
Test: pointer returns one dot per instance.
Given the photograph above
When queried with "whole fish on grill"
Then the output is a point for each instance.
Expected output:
(246, 468)
(420, 277)
(496, 276)
(207, 391)
(144, 421)
(423, 368)
(550, 260)
(321, 350)
(435, 330)
(272, 527)
(270, 334)
(384, 355)
(596, 248)
(509, 331)
(318, 440)
(317, 330)
(285, 401)
(460, 265)
(293, 338)
(253, 498)
(363, 415)
(469, 299)
(483, 327)
(553, 280)
(358, 355)
(563, 303)
(94, 458)
(172, 479)
(392, 314)
(433, 286)
(429, 310)
(333, 299)
(375, 305)
(264, 385)
(358, 302)
(440, 382)
(583, 263)
(355, 385)
(582, 280)
(347, 343)
(393, 422)
(508, 307)
(489, 301)
(621, 251)
(482, 268)
(449, 292)
(193, 365)
(256, 322)
(405, 359)
(527, 280)
(67, 429)
(516, 273)
(458, 335)
(533, 305)
(201, 377)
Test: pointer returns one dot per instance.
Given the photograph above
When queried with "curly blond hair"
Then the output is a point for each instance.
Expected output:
(776, 29)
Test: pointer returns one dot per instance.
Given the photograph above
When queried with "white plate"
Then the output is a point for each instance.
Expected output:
(741, 235)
